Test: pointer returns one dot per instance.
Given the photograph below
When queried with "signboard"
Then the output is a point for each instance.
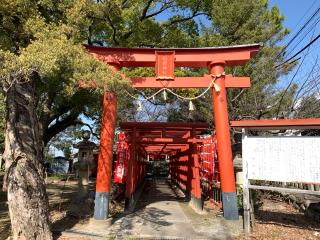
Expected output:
(165, 65)
(282, 158)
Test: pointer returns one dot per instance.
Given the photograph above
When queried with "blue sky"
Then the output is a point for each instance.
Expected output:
(293, 10)
(296, 13)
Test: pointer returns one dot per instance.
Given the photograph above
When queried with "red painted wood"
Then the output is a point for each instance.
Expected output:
(221, 122)
(131, 164)
(194, 172)
(179, 126)
(150, 140)
(189, 82)
(164, 65)
(304, 123)
(103, 182)
(184, 57)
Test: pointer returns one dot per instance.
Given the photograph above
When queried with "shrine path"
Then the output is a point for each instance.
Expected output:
(162, 213)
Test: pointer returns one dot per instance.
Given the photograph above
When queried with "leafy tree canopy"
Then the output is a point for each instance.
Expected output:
(236, 22)
(40, 30)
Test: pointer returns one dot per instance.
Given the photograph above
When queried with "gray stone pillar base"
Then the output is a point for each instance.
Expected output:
(196, 203)
(230, 205)
(128, 204)
(101, 206)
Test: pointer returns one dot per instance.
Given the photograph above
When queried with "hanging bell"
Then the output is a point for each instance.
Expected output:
(164, 95)
(191, 106)
(139, 109)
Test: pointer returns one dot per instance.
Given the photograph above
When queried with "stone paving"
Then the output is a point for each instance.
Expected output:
(161, 213)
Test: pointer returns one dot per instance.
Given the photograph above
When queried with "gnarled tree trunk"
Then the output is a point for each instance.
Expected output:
(24, 182)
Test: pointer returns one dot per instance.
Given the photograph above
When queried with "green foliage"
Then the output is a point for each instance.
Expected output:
(48, 156)
(41, 42)
(45, 37)
(309, 106)
(53, 54)
(133, 23)
(236, 22)
(246, 22)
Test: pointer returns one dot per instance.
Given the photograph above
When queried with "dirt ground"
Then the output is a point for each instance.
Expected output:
(67, 206)
(275, 219)
(61, 194)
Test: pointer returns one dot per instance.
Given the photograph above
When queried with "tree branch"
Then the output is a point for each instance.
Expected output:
(114, 31)
(164, 7)
(123, 4)
(59, 126)
(238, 95)
(185, 19)
(144, 15)
(79, 122)
(145, 10)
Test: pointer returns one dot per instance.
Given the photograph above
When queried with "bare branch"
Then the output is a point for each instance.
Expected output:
(304, 83)
(164, 7)
(238, 95)
(145, 10)
(123, 4)
(185, 19)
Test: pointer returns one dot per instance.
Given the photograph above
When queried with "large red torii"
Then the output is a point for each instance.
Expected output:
(165, 60)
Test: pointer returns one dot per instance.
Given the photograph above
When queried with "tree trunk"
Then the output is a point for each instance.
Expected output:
(24, 180)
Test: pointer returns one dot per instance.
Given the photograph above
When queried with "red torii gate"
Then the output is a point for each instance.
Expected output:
(169, 138)
(164, 61)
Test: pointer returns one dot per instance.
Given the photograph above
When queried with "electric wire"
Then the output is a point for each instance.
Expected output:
(295, 74)
(300, 51)
(304, 15)
(312, 27)
(300, 31)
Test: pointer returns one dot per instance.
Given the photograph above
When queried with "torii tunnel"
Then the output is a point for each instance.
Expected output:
(164, 61)
(178, 141)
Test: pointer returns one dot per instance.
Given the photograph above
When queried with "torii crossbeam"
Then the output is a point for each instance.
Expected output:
(164, 60)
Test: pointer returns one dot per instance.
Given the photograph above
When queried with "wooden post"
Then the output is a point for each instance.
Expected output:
(246, 195)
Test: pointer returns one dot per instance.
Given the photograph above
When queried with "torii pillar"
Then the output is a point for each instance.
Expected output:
(221, 122)
(104, 174)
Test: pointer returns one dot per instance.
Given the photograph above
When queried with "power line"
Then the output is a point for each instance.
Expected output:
(296, 72)
(312, 27)
(300, 51)
(304, 83)
(304, 15)
(300, 30)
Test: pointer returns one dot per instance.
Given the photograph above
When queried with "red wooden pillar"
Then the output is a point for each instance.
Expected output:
(130, 175)
(229, 196)
(194, 174)
(184, 176)
(103, 182)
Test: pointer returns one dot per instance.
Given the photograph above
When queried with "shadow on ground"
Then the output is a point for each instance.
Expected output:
(159, 191)
(69, 205)
(291, 220)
